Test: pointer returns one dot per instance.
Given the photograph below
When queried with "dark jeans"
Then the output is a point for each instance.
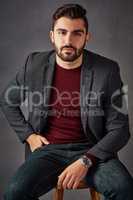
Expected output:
(39, 174)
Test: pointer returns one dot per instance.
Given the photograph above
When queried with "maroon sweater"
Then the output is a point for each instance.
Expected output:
(64, 122)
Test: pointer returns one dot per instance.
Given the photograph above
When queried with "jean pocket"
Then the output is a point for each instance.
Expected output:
(37, 149)
(41, 147)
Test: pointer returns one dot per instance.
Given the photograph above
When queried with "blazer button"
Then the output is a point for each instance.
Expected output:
(41, 113)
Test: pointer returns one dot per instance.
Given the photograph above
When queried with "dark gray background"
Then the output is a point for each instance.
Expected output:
(24, 28)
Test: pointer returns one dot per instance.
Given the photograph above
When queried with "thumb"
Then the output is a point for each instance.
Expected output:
(44, 140)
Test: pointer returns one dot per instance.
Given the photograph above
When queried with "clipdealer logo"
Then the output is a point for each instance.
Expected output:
(119, 99)
(123, 94)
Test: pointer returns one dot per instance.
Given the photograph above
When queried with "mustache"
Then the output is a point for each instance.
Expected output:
(68, 46)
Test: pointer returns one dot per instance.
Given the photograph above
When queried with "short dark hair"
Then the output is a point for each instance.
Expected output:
(72, 11)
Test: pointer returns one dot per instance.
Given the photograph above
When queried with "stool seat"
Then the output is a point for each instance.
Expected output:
(59, 193)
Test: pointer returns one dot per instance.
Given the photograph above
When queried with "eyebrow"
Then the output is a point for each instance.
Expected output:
(74, 31)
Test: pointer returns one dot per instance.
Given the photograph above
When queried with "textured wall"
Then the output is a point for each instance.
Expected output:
(24, 28)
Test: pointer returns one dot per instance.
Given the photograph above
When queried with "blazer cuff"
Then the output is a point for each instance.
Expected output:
(92, 158)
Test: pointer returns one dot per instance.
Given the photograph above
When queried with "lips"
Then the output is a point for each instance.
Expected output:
(67, 49)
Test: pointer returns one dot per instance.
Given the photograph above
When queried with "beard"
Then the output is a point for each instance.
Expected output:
(68, 53)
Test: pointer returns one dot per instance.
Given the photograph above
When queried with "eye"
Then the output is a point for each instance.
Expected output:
(62, 32)
(77, 34)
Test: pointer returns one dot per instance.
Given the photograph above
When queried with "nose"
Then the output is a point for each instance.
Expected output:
(68, 39)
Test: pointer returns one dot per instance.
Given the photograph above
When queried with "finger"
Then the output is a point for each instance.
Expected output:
(65, 181)
(70, 183)
(32, 149)
(44, 140)
(35, 147)
(75, 185)
(60, 179)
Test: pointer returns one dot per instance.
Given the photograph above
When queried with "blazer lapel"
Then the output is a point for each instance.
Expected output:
(48, 75)
(41, 78)
(85, 86)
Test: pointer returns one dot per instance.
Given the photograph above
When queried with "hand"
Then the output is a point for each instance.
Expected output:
(35, 141)
(72, 175)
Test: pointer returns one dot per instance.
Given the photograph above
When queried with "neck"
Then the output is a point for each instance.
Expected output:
(69, 65)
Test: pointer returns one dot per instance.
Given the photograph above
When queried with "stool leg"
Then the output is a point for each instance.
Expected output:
(58, 194)
(94, 194)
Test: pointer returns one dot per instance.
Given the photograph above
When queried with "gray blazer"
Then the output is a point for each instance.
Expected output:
(103, 124)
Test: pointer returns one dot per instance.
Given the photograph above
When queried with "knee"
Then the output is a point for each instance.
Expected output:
(13, 192)
(123, 189)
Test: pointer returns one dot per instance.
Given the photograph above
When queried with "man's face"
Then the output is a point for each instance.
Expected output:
(69, 38)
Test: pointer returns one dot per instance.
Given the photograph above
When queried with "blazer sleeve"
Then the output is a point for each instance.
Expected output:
(12, 98)
(116, 118)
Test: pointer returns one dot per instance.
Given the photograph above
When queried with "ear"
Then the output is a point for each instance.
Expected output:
(51, 35)
(88, 37)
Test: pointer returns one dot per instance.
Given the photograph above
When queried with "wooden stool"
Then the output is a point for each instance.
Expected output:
(59, 193)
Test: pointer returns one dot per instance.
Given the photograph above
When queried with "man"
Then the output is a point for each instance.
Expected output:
(75, 126)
